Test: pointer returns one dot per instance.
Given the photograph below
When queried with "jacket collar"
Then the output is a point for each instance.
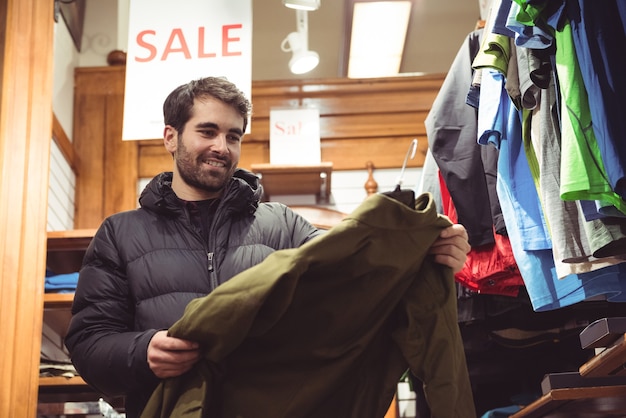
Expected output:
(241, 195)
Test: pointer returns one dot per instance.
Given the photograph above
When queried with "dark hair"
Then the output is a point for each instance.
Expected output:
(178, 104)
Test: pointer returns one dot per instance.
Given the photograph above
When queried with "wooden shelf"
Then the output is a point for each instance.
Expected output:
(58, 390)
(278, 179)
(60, 381)
(66, 249)
(609, 362)
(65, 252)
(77, 239)
(591, 402)
(57, 300)
(588, 402)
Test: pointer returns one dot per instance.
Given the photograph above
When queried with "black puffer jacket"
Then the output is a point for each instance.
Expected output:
(143, 267)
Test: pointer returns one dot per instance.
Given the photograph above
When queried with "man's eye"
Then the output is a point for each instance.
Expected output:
(234, 138)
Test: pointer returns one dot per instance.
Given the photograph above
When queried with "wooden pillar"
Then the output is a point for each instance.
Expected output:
(26, 44)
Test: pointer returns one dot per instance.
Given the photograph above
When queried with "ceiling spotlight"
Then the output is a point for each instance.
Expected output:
(309, 5)
(302, 60)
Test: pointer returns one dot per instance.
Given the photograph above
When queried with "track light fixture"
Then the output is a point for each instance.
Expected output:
(302, 60)
(308, 5)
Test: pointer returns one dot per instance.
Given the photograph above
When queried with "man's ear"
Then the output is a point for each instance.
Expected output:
(170, 138)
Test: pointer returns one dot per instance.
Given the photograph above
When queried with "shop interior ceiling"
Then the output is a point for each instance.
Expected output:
(436, 30)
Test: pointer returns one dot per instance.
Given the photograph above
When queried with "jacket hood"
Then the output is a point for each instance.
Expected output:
(242, 194)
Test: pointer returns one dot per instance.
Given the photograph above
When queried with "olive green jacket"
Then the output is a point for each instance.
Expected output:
(327, 329)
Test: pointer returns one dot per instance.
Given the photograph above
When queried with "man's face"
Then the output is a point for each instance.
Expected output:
(207, 152)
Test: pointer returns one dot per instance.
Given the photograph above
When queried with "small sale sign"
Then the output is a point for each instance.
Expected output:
(295, 136)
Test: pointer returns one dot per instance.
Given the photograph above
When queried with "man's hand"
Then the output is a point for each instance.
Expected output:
(169, 356)
(451, 248)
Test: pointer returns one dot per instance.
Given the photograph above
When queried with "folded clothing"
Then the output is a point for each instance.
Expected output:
(61, 282)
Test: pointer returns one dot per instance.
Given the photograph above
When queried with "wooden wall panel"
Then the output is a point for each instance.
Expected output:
(345, 154)
(89, 128)
(370, 103)
(354, 126)
(299, 91)
(120, 191)
(106, 165)
(153, 158)
(360, 121)
(382, 152)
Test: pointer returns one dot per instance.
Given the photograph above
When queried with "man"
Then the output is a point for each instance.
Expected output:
(197, 227)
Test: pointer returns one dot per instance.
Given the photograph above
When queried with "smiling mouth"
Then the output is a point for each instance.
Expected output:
(215, 163)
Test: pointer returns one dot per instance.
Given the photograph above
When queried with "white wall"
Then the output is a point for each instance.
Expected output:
(106, 29)
(62, 181)
(348, 187)
(65, 59)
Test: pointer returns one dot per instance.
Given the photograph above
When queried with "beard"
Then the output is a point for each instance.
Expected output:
(196, 173)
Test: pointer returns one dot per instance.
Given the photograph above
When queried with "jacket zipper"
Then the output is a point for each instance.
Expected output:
(211, 244)
(211, 269)
(210, 254)
(210, 259)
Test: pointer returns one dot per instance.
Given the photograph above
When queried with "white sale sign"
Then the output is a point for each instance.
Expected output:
(172, 43)
(295, 136)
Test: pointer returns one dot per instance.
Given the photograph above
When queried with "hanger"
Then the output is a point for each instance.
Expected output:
(404, 195)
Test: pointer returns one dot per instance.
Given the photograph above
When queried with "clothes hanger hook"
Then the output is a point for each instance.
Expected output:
(410, 154)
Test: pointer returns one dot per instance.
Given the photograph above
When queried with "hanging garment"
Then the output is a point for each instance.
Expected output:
(520, 205)
(327, 329)
(584, 175)
(598, 174)
(489, 269)
(527, 35)
(451, 130)
(599, 36)
(499, 123)
(577, 243)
